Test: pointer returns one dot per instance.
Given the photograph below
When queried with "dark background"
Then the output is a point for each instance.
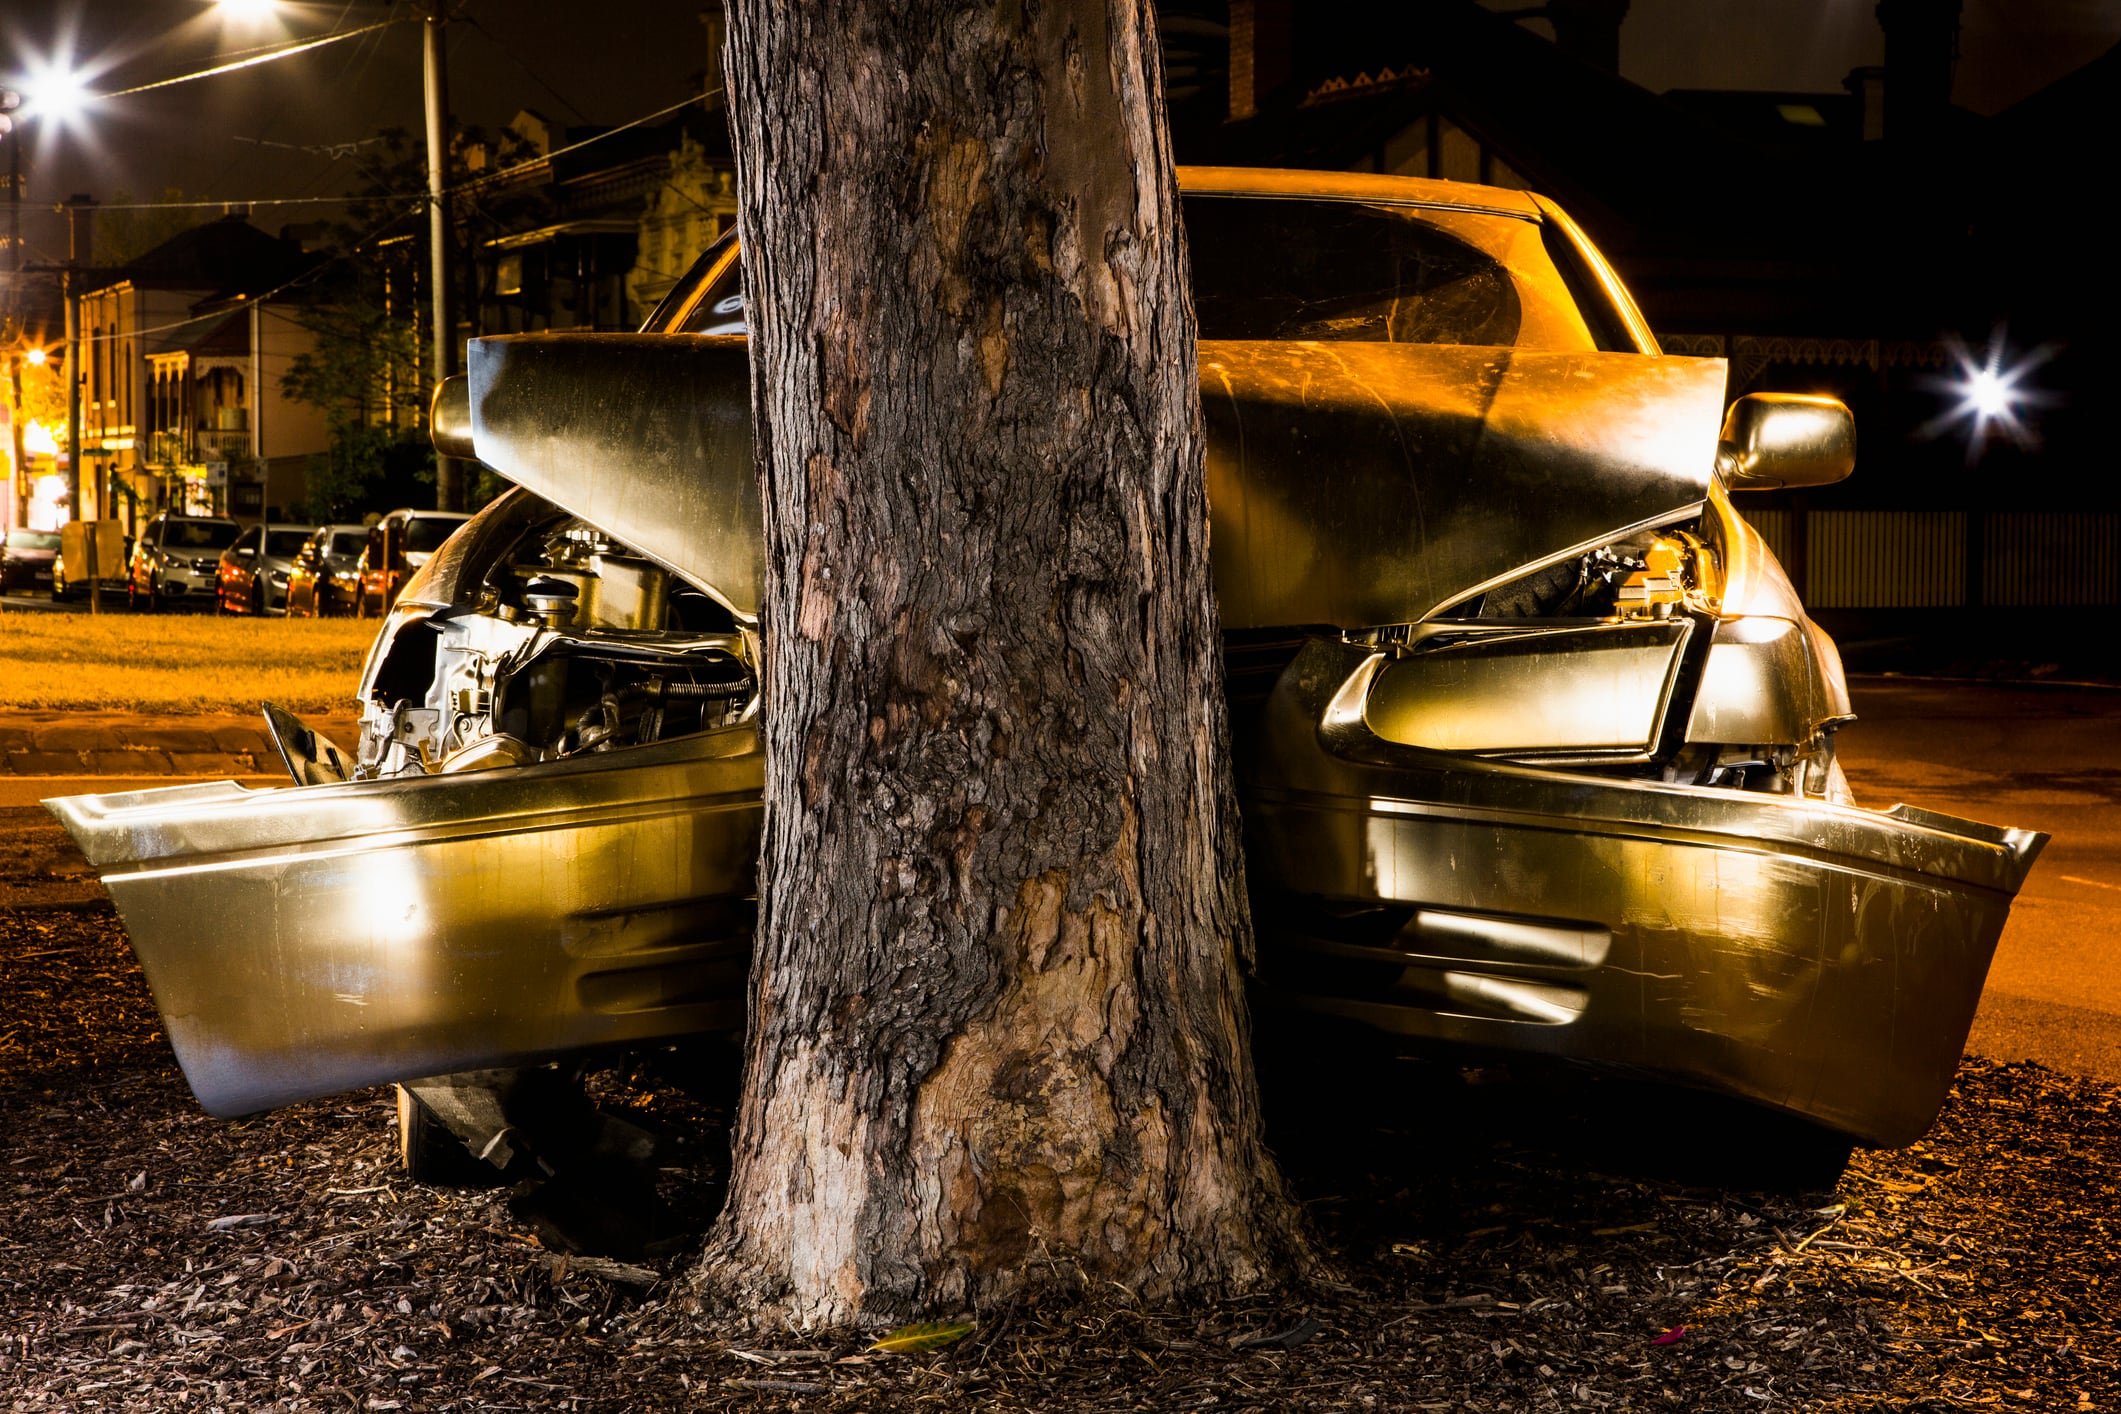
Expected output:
(608, 63)
(575, 63)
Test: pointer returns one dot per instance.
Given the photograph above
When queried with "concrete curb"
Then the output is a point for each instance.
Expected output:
(123, 744)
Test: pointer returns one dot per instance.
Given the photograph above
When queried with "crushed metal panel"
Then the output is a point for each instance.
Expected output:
(1813, 957)
(1598, 688)
(1367, 484)
(646, 436)
(305, 942)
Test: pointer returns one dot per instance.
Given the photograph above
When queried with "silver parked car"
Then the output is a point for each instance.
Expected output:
(253, 574)
(1535, 742)
(178, 557)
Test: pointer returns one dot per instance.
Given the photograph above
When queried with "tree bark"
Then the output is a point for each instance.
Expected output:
(997, 1017)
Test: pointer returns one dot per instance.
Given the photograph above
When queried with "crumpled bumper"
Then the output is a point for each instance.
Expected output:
(1815, 958)
(305, 942)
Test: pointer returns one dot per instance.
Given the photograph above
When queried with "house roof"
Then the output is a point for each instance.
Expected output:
(221, 259)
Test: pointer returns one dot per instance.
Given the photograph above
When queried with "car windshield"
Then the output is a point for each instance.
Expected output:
(346, 542)
(285, 542)
(1345, 271)
(32, 540)
(1295, 268)
(197, 535)
(426, 533)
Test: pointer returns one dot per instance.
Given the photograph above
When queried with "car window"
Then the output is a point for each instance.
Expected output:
(32, 540)
(1340, 271)
(347, 542)
(426, 533)
(197, 535)
(1347, 271)
(286, 542)
(248, 540)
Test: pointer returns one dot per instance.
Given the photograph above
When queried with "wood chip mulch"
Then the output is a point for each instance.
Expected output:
(154, 1259)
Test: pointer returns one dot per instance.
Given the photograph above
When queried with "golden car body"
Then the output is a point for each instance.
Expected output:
(1533, 736)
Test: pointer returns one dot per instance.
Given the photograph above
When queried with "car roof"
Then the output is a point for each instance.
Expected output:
(1357, 186)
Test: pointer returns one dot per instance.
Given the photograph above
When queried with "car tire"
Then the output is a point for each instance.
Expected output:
(432, 1155)
(257, 600)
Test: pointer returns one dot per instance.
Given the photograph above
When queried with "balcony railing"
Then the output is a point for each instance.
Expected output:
(216, 445)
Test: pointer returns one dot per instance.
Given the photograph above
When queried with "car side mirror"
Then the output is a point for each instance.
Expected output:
(1775, 440)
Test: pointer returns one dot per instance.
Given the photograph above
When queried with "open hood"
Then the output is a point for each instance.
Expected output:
(646, 436)
(1350, 484)
(1365, 484)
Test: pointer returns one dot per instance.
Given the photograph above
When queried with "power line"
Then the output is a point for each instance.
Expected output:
(491, 177)
(205, 203)
(283, 52)
(483, 179)
(243, 302)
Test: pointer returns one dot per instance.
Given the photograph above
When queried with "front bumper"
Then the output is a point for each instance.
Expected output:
(305, 942)
(186, 583)
(1814, 958)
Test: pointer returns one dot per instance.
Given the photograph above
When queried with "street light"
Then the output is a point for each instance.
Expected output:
(56, 92)
(36, 358)
(1992, 394)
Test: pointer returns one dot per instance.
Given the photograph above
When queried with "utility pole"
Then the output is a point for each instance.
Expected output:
(448, 493)
(11, 129)
(76, 207)
(257, 422)
(17, 477)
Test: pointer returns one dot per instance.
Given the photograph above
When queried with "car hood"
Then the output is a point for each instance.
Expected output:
(1351, 484)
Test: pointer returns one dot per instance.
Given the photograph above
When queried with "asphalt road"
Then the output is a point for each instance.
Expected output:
(2043, 757)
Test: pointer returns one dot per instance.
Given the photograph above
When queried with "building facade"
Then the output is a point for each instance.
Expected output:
(182, 356)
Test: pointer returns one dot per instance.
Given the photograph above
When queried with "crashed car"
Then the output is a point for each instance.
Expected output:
(1534, 740)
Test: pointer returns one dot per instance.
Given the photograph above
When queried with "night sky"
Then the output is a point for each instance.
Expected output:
(607, 63)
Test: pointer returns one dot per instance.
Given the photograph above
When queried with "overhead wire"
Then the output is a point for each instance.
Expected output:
(284, 51)
(483, 179)
(242, 302)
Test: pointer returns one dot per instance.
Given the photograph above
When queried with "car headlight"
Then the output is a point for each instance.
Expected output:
(346, 577)
(278, 577)
(169, 561)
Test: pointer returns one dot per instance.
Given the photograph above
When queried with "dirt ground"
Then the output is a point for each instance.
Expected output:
(1498, 1253)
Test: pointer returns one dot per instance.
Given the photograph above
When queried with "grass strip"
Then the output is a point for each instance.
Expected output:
(179, 664)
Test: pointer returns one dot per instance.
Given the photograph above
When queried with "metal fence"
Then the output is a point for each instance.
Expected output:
(1948, 559)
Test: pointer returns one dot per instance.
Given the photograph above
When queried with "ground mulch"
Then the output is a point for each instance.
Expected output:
(156, 1259)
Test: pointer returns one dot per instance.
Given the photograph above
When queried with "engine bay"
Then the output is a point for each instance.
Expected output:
(1605, 599)
(559, 641)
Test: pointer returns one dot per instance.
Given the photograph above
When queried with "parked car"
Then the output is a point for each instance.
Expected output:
(250, 583)
(26, 560)
(178, 557)
(325, 579)
(397, 546)
(1535, 742)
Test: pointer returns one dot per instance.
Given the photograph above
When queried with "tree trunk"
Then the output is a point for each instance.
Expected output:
(997, 1017)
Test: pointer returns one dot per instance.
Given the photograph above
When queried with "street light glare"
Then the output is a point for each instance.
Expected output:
(248, 10)
(1990, 394)
(37, 357)
(56, 93)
